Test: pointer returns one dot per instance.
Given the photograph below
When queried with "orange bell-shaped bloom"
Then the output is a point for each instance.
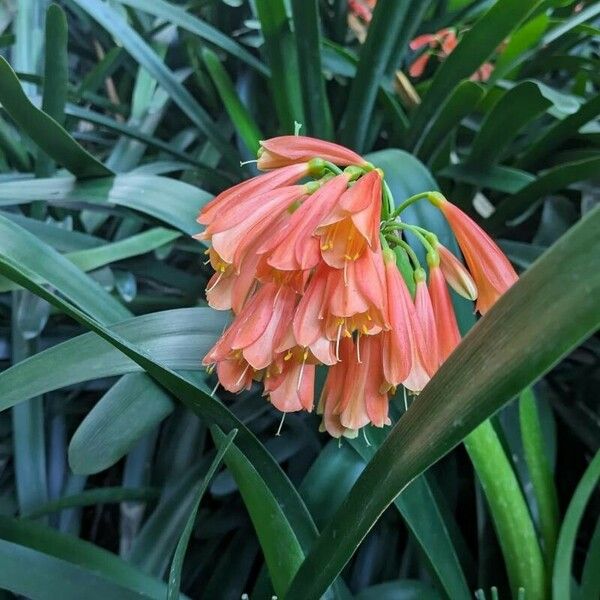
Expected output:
(353, 224)
(406, 357)
(238, 226)
(426, 318)
(352, 396)
(257, 332)
(292, 389)
(251, 188)
(491, 270)
(398, 341)
(448, 335)
(290, 149)
(294, 247)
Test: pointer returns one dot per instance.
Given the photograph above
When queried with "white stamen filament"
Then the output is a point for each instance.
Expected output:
(365, 436)
(405, 399)
(358, 348)
(337, 341)
(280, 425)
(214, 285)
(301, 372)
(242, 375)
(214, 391)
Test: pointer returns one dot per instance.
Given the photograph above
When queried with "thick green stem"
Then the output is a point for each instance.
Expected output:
(540, 473)
(512, 521)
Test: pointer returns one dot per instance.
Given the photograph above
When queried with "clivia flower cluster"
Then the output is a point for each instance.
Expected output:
(307, 265)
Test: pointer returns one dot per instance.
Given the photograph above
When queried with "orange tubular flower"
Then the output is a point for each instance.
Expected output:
(258, 330)
(353, 224)
(294, 247)
(491, 270)
(425, 317)
(406, 357)
(290, 149)
(251, 188)
(352, 395)
(445, 319)
(239, 226)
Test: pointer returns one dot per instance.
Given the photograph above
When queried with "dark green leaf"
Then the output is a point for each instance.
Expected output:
(242, 120)
(280, 50)
(36, 561)
(130, 409)
(56, 75)
(177, 564)
(307, 34)
(561, 131)
(168, 200)
(95, 496)
(552, 180)
(561, 577)
(281, 548)
(503, 123)
(459, 104)
(388, 20)
(497, 177)
(44, 130)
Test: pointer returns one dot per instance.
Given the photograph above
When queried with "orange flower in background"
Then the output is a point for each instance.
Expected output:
(441, 44)
(307, 270)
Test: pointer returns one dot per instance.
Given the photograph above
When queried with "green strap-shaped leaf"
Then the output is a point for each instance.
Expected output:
(244, 123)
(521, 337)
(112, 21)
(282, 58)
(503, 123)
(94, 258)
(540, 472)
(521, 204)
(55, 269)
(475, 47)
(44, 130)
(37, 561)
(384, 29)
(189, 22)
(280, 546)
(56, 75)
(177, 564)
(419, 508)
(96, 496)
(131, 408)
(85, 114)
(178, 337)
(561, 578)
(307, 24)
(168, 200)
(459, 104)
(561, 131)
(498, 177)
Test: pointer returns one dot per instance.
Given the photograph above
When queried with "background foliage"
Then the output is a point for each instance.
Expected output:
(120, 474)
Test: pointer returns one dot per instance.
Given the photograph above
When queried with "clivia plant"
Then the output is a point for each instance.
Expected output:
(299, 299)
